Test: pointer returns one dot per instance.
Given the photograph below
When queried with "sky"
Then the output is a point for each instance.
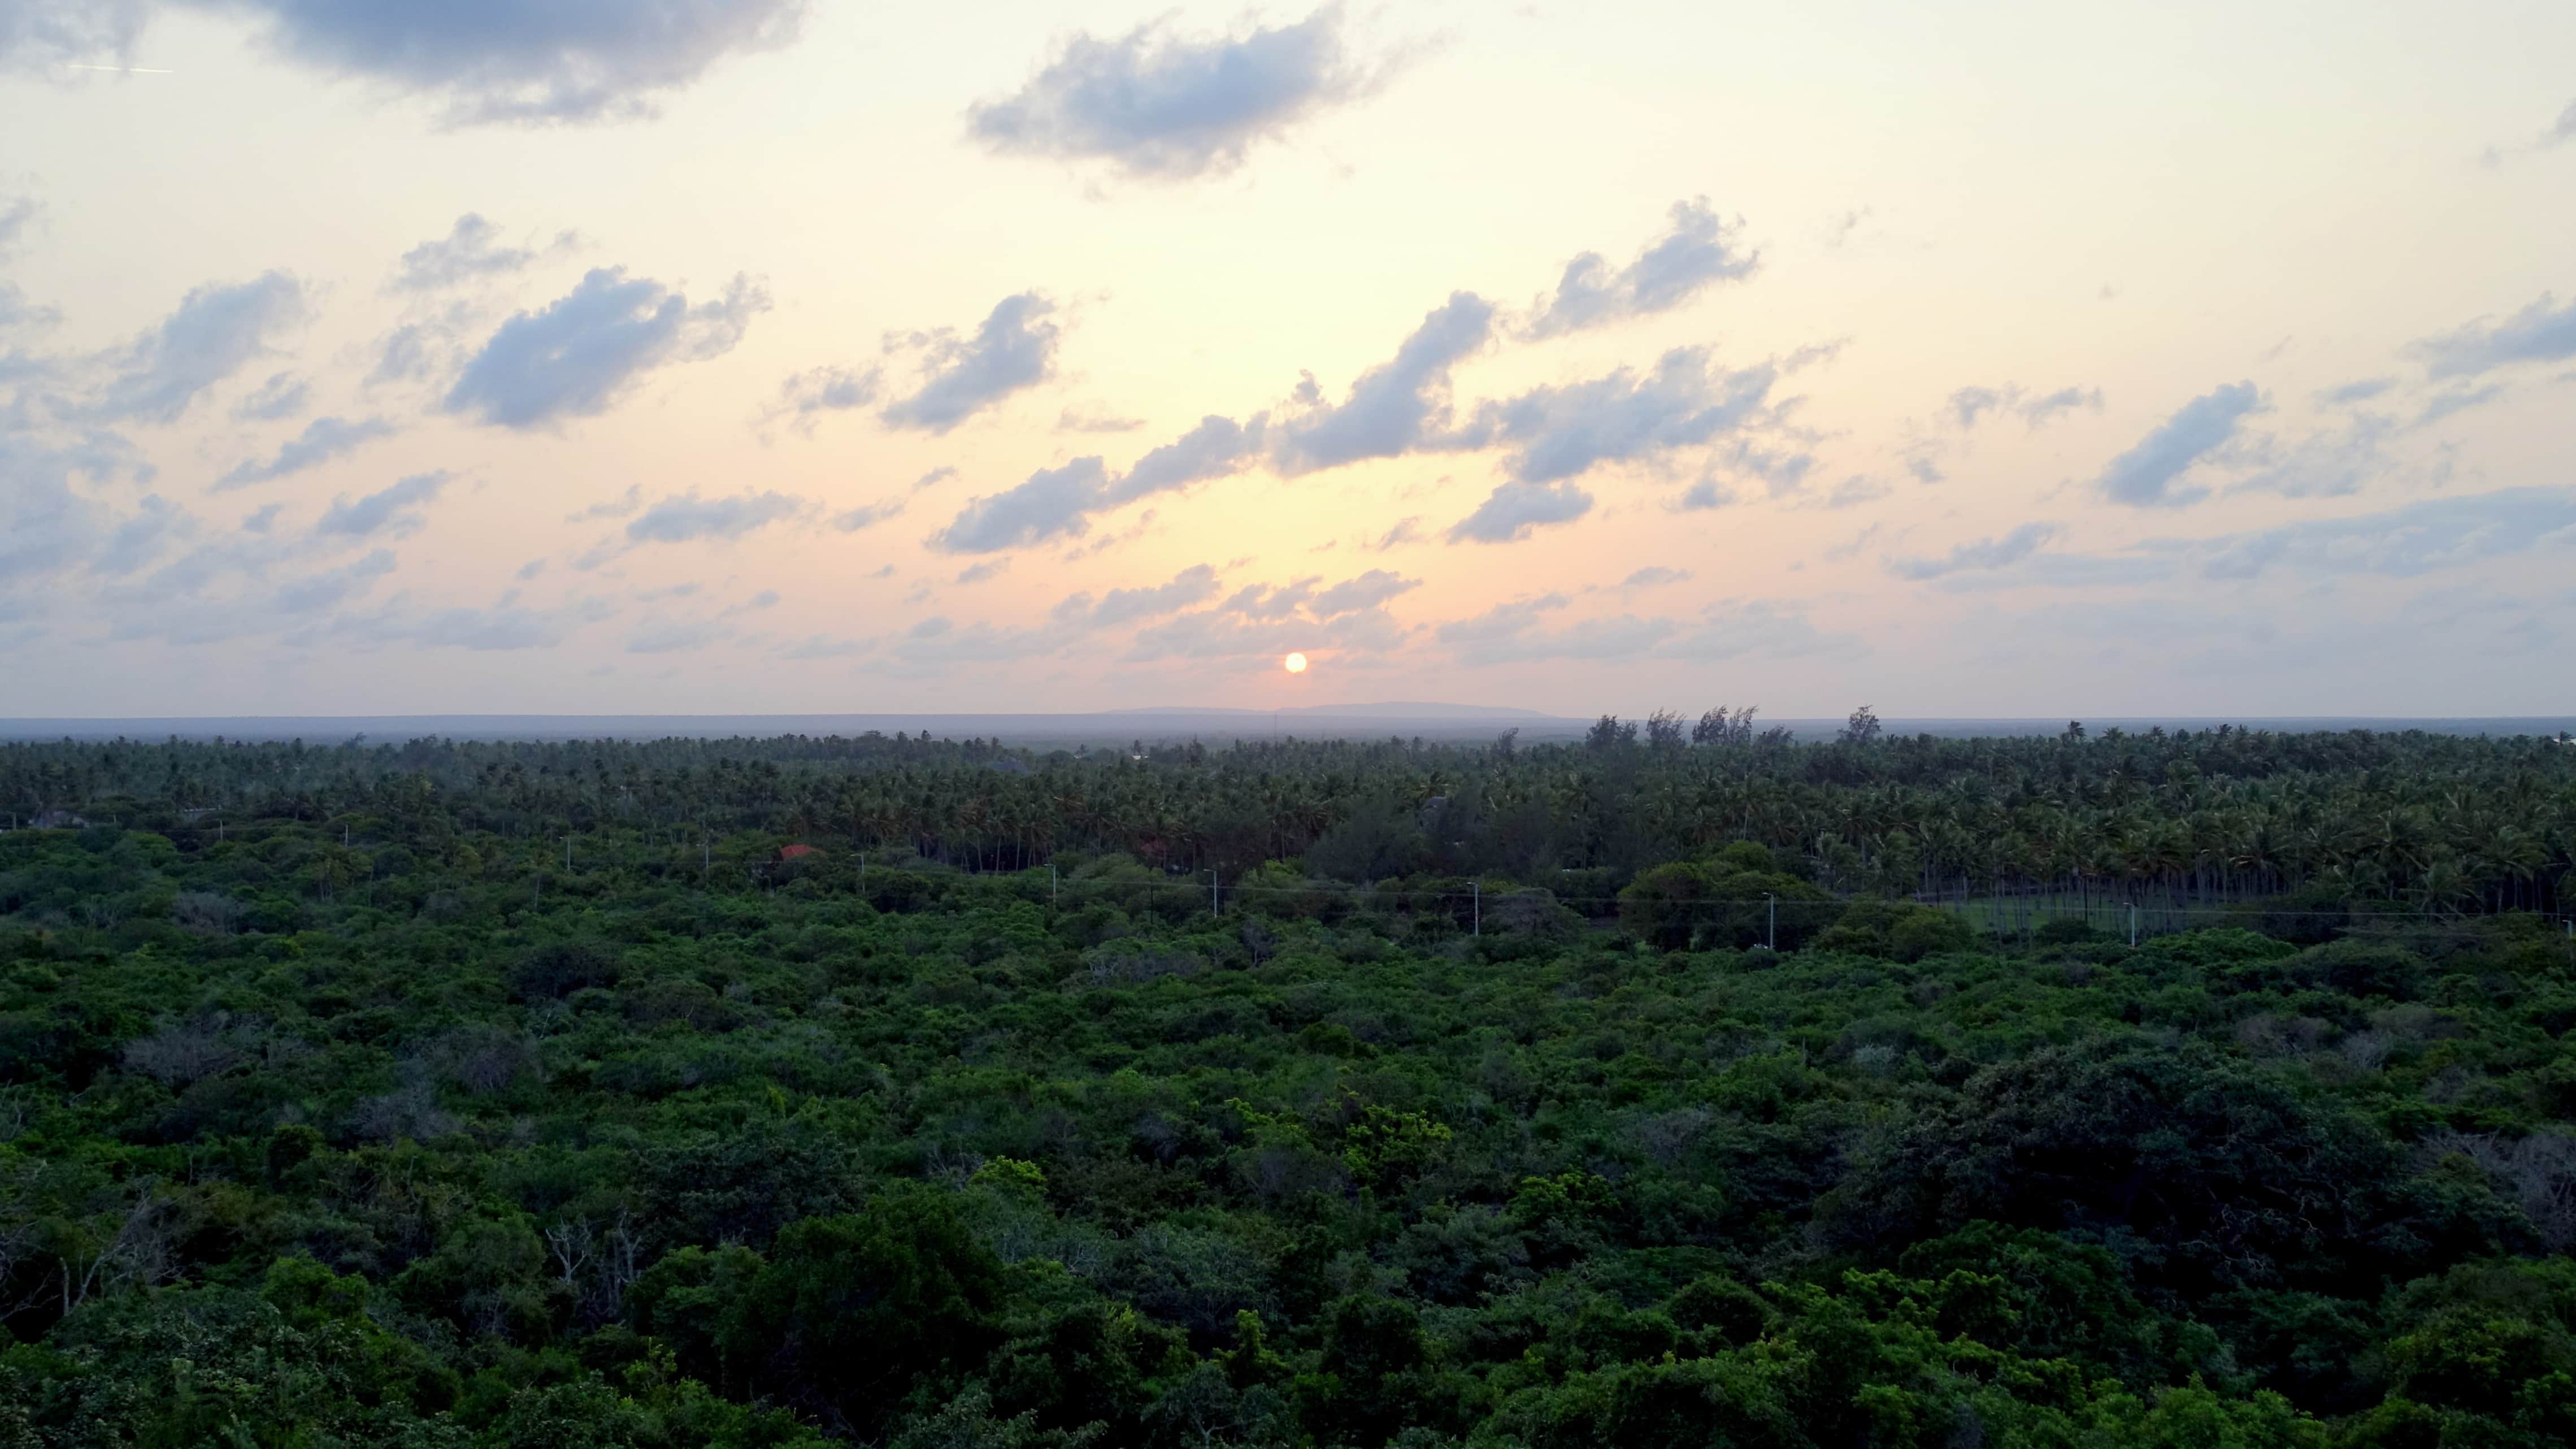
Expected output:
(747, 356)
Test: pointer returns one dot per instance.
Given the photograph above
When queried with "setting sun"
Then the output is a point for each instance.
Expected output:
(1296, 663)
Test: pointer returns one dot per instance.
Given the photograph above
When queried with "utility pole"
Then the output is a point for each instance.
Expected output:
(1771, 933)
(1050, 882)
(1212, 893)
(567, 855)
(2133, 923)
(1476, 905)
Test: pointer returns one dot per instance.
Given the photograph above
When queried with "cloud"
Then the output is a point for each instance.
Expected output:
(1406, 531)
(281, 397)
(213, 334)
(17, 213)
(1654, 576)
(2360, 391)
(1094, 418)
(1857, 490)
(469, 252)
(322, 440)
(507, 625)
(978, 573)
(35, 34)
(2541, 332)
(1513, 509)
(1705, 495)
(1984, 553)
(2419, 538)
(1193, 585)
(1701, 250)
(866, 515)
(2144, 476)
(587, 348)
(391, 511)
(330, 588)
(825, 390)
(1370, 590)
(1160, 106)
(1395, 407)
(671, 636)
(562, 61)
(1216, 448)
(2323, 465)
(824, 646)
(1052, 503)
(139, 539)
(621, 506)
(686, 517)
(1013, 348)
(1059, 502)
(2457, 400)
(1969, 405)
(1515, 633)
(1565, 432)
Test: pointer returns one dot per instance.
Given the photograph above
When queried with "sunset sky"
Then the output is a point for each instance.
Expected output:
(713, 356)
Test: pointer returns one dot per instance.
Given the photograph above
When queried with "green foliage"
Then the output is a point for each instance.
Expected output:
(1475, 1113)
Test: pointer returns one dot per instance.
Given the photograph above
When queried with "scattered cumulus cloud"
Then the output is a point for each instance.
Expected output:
(2419, 538)
(1984, 553)
(1193, 585)
(470, 252)
(1394, 408)
(1054, 502)
(1216, 448)
(807, 395)
(687, 517)
(866, 515)
(216, 331)
(1513, 510)
(274, 401)
(2545, 331)
(1701, 250)
(36, 34)
(562, 61)
(393, 511)
(1654, 576)
(1157, 105)
(1095, 418)
(585, 350)
(1564, 432)
(1970, 405)
(322, 440)
(2148, 475)
(2360, 390)
(1012, 349)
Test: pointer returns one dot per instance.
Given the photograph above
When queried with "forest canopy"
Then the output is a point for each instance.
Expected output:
(1682, 1086)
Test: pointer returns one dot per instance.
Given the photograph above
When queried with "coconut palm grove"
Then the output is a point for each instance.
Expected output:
(1684, 1085)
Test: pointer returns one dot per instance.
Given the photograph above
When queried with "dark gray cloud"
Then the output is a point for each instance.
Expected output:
(1012, 349)
(2146, 475)
(393, 511)
(1394, 408)
(1053, 503)
(213, 334)
(1984, 553)
(687, 517)
(274, 401)
(560, 61)
(322, 440)
(1193, 585)
(1565, 432)
(1512, 510)
(587, 348)
(1969, 405)
(1701, 250)
(1160, 106)
(2541, 332)
(471, 251)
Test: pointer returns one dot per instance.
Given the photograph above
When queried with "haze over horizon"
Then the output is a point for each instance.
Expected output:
(766, 356)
